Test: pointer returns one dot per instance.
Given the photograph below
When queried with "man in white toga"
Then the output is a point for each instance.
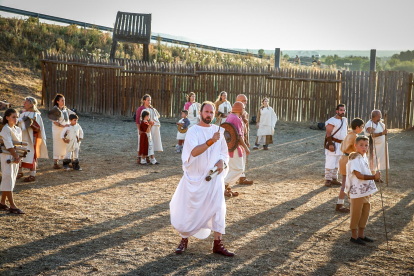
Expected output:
(376, 154)
(198, 206)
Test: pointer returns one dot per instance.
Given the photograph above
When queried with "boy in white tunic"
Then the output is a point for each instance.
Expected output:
(183, 123)
(72, 136)
(9, 160)
(336, 130)
(360, 186)
(198, 205)
(375, 129)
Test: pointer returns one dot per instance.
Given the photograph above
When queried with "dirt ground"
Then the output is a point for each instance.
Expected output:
(112, 218)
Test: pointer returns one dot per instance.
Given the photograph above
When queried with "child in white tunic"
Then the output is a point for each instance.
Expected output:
(360, 186)
(59, 147)
(10, 160)
(72, 136)
(183, 123)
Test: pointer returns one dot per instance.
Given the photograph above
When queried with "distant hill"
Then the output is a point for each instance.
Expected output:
(340, 53)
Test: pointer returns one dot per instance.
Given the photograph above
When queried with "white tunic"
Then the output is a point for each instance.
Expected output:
(356, 187)
(194, 114)
(379, 143)
(9, 171)
(267, 123)
(198, 206)
(73, 133)
(28, 137)
(224, 108)
(155, 129)
(340, 135)
(181, 136)
(59, 147)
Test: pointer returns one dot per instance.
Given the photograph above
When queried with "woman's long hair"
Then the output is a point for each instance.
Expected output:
(189, 96)
(56, 99)
(8, 113)
(262, 106)
(144, 98)
(219, 99)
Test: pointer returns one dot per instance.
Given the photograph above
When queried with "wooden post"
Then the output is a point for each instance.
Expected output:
(372, 60)
(410, 84)
(386, 150)
(277, 57)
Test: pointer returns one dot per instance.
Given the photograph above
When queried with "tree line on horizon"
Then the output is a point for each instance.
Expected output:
(25, 39)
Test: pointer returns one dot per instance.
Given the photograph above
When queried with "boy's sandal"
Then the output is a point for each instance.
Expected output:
(30, 179)
(4, 207)
(16, 211)
(357, 241)
(366, 239)
(144, 164)
(19, 175)
(138, 160)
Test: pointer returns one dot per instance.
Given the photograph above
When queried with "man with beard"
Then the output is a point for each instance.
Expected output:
(245, 118)
(336, 130)
(198, 205)
(375, 129)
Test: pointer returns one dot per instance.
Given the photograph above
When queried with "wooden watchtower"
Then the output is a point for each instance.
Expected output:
(132, 28)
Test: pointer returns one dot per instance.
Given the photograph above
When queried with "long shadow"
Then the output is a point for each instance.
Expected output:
(170, 264)
(53, 242)
(140, 180)
(395, 225)
(89, 248)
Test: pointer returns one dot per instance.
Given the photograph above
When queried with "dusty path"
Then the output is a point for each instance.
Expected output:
(112, 218)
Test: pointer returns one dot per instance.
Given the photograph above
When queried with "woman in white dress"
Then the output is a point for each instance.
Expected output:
(223, 108)
(193, 109)
(155, 129)
(9, 161)
(265, 123)
(59, 147)
(34, 136)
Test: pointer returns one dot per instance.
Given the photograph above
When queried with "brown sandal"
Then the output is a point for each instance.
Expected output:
(4, 207)
(16, 211)
(227, 193)
(233, 193)
(30, 179)
(19, 175)
(56, 167)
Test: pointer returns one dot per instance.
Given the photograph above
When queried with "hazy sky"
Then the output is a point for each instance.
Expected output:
(254, 24)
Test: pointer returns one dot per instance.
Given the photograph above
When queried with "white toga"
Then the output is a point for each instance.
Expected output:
(379, 144)
(198, 206)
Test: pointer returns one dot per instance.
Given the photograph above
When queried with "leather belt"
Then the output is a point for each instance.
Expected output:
(337, 140)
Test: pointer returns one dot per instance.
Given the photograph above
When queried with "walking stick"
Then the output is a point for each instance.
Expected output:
(386, 150)
(382, 200)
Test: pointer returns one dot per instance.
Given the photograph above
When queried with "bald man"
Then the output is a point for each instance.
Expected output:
(376, 129)
(245, 117)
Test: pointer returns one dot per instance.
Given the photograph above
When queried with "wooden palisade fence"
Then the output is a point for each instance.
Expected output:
(116, 87)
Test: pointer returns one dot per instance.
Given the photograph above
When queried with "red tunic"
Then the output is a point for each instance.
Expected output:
(143, 138)
(33, 164)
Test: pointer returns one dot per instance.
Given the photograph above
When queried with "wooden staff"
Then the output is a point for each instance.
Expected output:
(386, 149)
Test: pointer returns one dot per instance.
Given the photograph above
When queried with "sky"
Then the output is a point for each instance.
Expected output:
(257, 24)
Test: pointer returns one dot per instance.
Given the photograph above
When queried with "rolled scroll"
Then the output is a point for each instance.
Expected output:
(213, 172)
